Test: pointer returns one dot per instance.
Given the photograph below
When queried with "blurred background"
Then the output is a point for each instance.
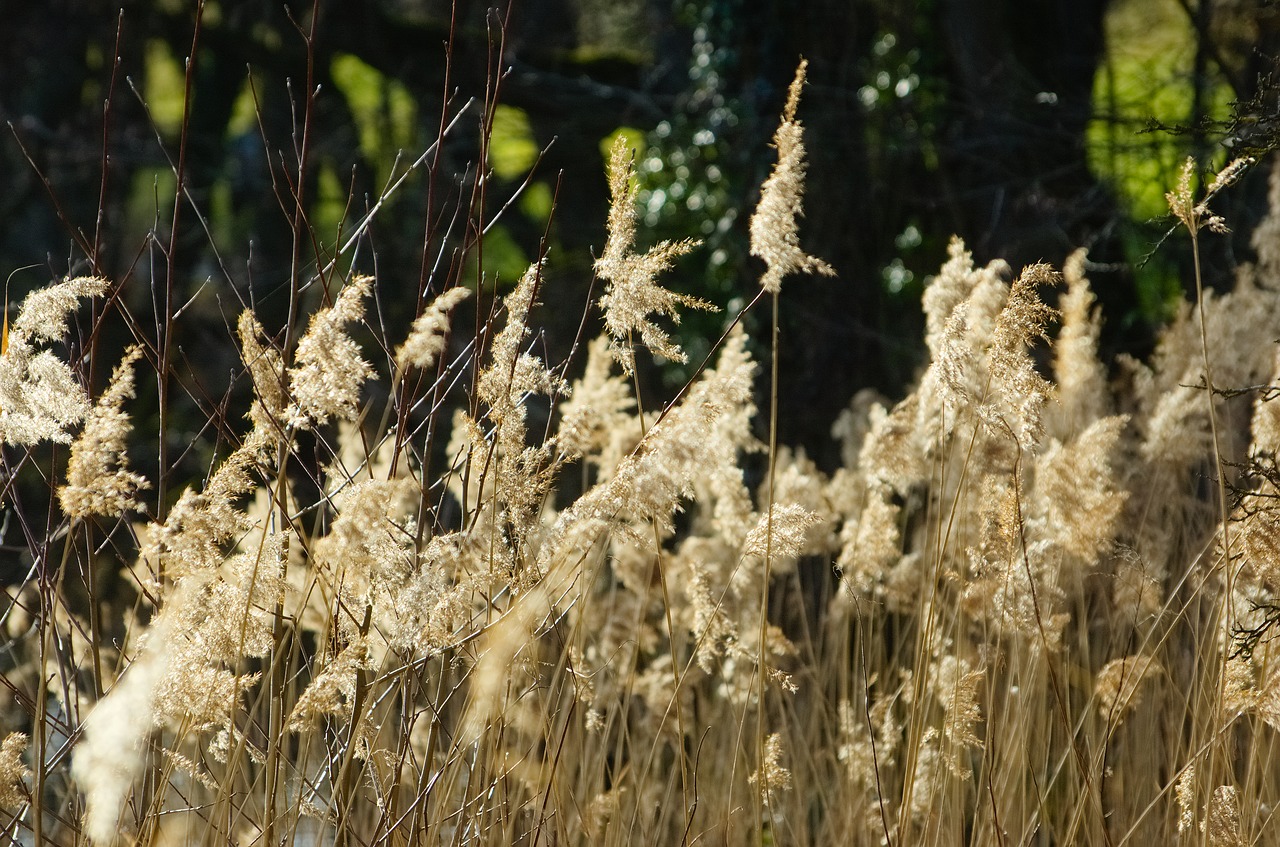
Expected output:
(1028, 128)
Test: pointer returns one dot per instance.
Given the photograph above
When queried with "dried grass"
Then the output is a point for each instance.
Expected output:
(1035, 626)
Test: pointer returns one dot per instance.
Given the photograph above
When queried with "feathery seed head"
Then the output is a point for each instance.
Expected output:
(1222, 818)
(1185, 792)
(1195, 216)
(781, 534)
(1080, 376)
(194, 536)
(426, 339)
(43, 316)
(775, 231)
(1022, 322)
(955, 684)
(771, 778)
(597, 420)
(1119, 685)
(98, 479)
(13, 771)
(266, 369)
(328, 373)
(632, 296)
(40, 398)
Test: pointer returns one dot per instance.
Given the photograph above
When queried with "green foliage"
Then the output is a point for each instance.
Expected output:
(613, 27)
(634, 136)
(331, 206)
(164, 88)
(504, 261)
(1146, 78)
(512, 149)
(536, 201)
(1155, 278)
(150, 192)
(244, 117)
(383, 109)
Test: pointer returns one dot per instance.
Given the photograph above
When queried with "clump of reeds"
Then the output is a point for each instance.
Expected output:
(1040, 625)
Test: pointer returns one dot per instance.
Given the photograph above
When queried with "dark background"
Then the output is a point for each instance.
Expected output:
(982, 118)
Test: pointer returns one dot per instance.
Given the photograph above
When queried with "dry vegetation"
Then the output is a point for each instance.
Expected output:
(1032, 624)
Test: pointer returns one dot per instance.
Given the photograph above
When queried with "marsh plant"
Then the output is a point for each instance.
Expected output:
(1046, 584)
